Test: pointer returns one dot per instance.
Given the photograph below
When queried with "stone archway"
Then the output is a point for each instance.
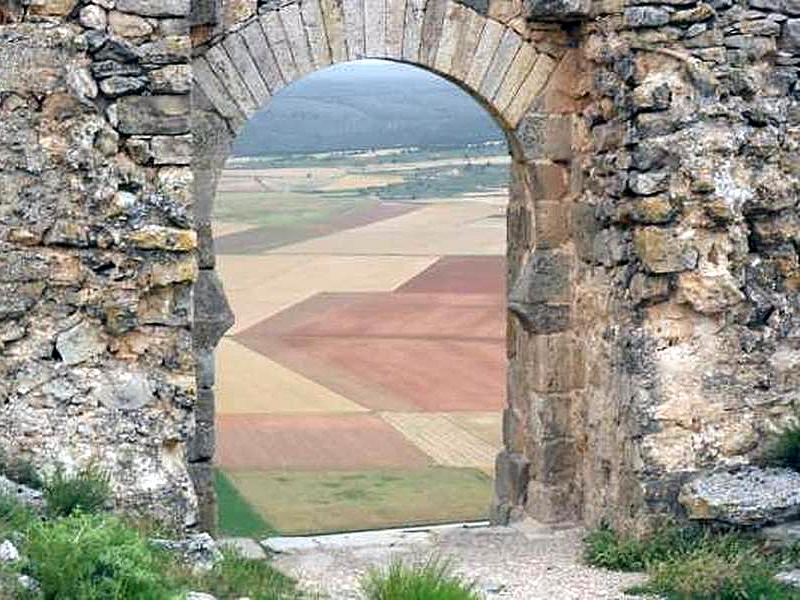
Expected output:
(653, 239)
(512, 77)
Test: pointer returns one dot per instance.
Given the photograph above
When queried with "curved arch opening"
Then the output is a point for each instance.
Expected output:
(359, 230)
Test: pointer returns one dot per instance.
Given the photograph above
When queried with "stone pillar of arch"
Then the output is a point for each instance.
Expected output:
(533, 90)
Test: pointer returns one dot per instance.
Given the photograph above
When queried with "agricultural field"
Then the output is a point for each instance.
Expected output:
(363, 382)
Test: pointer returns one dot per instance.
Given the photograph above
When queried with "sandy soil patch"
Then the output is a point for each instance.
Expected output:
(248, 382)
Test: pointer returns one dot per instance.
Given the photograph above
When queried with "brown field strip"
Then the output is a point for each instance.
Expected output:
(260, 239)
(330, 442)
(461, 275)
(404, 352)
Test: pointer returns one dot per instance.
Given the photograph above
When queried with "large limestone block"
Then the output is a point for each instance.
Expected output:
(664, 251)
(395, 23)
(213, 315)
(506, 51)
(153, 115)
(155, 8)
(297, 38)
(315, 30)
(468, 40)
(279, 44)
(490, 39)
(354, 28)
(529, 90)
(375, 28)
(333, 17)
(247, 68)
(431, 31)
(452, 30)
(262, 54)
(749, 496)
(412, 36)
(210, 87)
(231, 80)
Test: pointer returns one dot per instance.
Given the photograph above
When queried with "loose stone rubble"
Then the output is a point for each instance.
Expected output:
(653, 229)
(199, 551)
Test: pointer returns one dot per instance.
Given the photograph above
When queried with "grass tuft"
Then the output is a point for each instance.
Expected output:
(236, 577)
(694, 563)
(433, 580)
(94, 557)
(86, 491)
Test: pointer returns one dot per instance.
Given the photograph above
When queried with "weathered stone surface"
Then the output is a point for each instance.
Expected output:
(664, 251)
(653, 228)
(129, 26)
(80, 343)
(155, 8)
(213, 315)
(198, 551)
(172, 149)
(558, 10)
(27, 496)
(119, 86)
(8, 552)
(749, 496)
(153, 115)
(93, 17)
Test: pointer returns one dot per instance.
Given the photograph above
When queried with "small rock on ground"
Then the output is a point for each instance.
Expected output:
(523, 562)
(244, 547)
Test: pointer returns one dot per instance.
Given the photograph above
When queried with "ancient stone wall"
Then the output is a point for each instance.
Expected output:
(653, 228)
(97, 244)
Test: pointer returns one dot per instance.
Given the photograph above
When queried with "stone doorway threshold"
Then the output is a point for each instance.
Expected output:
(523, 561)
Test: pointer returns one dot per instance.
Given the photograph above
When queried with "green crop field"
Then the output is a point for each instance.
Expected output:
(303, 502)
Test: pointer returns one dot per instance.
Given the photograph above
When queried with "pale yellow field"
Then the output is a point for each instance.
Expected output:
(359, 181)
(487, 426)
(466, 228)
(276, 390)
(443, 440)
(220, 228)
(259, 286)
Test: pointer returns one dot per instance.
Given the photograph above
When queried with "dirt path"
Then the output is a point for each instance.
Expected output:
(524, 562)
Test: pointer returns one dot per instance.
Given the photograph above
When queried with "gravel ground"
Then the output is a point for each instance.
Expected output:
(522, 562)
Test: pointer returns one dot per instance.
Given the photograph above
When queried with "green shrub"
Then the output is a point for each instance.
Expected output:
(88, 490)
(94, 557)
(693, 563)
(14, 515)
(606, 549)
(706, 575)
(433, 580)
(784, 449)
